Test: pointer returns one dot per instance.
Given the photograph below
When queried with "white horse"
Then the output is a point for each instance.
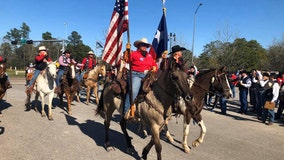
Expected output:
(44, 86)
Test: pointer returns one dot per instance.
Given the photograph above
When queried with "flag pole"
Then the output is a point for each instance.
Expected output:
(128, 50)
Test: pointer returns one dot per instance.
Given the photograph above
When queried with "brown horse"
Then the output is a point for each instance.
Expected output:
(91, 82)
(151, 108)
(69, 87)
(215, 81)
(3, 78)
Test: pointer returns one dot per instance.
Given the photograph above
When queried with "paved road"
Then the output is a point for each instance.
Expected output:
(28, 136)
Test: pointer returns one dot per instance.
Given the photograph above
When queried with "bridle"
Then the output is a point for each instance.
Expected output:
(2, 70)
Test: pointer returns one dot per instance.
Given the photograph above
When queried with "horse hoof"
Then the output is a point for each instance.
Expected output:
(50, 118)
(195, 143)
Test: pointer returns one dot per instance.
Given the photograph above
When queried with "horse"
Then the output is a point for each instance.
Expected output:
(91, 82)
(44, 86)
(3, 78)
(151, 107)
(213, 81)
(69, 86)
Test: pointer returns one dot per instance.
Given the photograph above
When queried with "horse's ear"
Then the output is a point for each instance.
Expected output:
(223, 69)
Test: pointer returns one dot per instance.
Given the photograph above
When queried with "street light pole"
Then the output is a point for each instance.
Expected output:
(172, 38)
(194, 31)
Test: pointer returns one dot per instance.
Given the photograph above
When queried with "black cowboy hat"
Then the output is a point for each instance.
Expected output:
(177, 48)
(67, 51)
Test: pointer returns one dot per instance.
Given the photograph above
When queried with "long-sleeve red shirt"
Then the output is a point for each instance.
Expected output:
(140, 63)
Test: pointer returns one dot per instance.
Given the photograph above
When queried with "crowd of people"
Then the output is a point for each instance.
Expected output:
(263, 88)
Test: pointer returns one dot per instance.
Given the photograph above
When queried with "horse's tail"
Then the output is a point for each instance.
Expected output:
(100, 108)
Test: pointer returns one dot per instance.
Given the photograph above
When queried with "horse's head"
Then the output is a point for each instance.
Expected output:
(180, 79)
(2, 69)
(72, 70)
(102, 70)
(51, 69)
(220, 83)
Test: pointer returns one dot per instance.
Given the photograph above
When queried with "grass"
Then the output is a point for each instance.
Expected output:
(18, 73)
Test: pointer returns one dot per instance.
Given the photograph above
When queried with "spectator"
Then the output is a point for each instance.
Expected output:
(254, 89)
(244, 84)
(271, 95)
(280, 81)
(264, 86)
(233, 80)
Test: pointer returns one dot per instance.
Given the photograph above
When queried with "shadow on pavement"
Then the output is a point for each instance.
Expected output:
(96, 131)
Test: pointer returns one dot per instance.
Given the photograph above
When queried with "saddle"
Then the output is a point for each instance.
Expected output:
(29, 76)
(119, 87)
(146, 84)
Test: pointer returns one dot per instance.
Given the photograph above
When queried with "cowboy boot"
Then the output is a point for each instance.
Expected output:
(8, 84)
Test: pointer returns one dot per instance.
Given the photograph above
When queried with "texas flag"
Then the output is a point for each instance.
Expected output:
(160, 41)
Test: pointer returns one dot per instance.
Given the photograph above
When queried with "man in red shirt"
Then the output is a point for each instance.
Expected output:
(89, 62)
(141, 63)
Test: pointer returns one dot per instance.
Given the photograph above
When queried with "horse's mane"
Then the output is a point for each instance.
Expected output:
(204, 72)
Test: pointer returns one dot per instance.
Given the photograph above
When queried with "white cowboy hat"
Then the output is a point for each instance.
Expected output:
(144, 41)
(41, 48)
(91, 52)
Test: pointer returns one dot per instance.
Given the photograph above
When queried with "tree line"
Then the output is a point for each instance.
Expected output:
(236, 55)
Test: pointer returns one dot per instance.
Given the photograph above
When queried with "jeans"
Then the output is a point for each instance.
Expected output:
(59, 76)
(232, 86)
(36, 73)
(243, 99)
(268, 113)
(261, 101)
(223, 105)
(253, 98)
(136, 83)
(280, 109)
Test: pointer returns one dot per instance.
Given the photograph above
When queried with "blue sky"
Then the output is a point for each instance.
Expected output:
(260, 20)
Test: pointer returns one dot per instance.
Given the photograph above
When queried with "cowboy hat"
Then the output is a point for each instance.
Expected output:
(177, 48)
(41, 48)
(67, 51)
(142, 41)
(91, 52)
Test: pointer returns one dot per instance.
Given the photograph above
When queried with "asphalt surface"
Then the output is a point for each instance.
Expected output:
(28, 136)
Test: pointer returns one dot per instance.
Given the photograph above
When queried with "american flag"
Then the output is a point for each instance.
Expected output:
(160, 41)
(118, 25)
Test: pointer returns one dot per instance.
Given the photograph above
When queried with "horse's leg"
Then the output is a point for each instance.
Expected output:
(70, 100)
(88, 95)
(60, 95)
(42, 104)
(155, 139)
(108, 114)
(36, 101)
(50, 98)
(168, 134)
(95, 90)
(200, 122)
(28, 102)
(126, 136)
(166, 129)
(186, 121)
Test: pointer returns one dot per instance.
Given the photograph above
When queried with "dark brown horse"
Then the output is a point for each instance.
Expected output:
(3, 78)
(69, 87)
(215, 81)
(151, 109)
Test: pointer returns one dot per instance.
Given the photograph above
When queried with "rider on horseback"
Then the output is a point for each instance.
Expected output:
(141, 63)
(7, 82)
(64, 60)
(41, 60)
